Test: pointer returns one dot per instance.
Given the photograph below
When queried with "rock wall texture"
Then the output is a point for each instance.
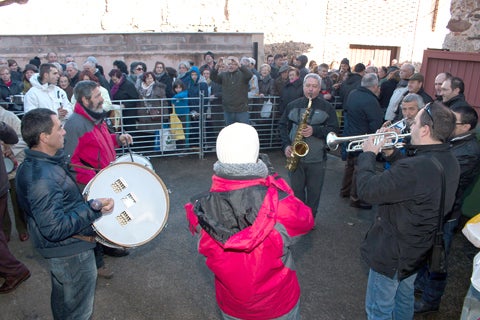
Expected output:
(331, 26)
(464, 26)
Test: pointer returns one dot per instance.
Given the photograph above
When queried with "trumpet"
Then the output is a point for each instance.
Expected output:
(355, 142)
(400, 125)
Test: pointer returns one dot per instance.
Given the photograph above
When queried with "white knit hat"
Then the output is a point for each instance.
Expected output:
(238, 143)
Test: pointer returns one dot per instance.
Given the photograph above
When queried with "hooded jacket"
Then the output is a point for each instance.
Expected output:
(47, 96)
(247, 247)
(88, 144)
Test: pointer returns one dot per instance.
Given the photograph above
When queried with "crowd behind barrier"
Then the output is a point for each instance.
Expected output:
(151, 131)
(155, 137)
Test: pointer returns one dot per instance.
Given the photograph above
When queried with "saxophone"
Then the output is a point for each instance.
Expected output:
(299, 147)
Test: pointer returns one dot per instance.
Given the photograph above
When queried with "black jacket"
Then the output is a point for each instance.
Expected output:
(323, 120)
(408, 197)
(353, 82)
(458, 100)
(364, 112)
(54, 206)
(290, 92)
(466, 149)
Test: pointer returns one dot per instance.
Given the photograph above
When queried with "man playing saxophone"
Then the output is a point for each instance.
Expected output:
(308, 172)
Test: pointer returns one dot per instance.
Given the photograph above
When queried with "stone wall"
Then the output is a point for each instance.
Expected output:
(331, 26)
(464, 26)
(171, 48)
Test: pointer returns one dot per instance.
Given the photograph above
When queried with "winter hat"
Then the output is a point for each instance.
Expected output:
(92, 59)
(30, 67)
(345, 61)
(238, 143)
(209, 53)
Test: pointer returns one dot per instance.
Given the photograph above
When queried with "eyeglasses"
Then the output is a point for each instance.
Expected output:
(139, 69)
(429, 112)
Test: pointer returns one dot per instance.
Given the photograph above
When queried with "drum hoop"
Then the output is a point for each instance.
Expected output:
(167, 205)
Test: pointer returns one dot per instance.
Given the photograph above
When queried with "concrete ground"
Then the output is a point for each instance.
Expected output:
(168, 279)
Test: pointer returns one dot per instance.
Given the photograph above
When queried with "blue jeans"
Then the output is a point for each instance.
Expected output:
(73, 286)
(293, 314)
(232, 117)
(388, 298)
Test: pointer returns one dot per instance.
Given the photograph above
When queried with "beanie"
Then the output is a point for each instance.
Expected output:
(238, 143)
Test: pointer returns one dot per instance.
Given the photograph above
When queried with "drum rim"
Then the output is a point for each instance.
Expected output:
(167, 205)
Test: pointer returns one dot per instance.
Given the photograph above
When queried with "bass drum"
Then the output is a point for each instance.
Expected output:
(136, 158)
(141, 204)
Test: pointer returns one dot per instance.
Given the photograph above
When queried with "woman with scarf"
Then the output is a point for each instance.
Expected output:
(153, 111)
(162, 76)
(126, 94)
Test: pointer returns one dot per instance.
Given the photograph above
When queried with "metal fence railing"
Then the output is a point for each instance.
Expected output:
(154, 136)
(148, 121)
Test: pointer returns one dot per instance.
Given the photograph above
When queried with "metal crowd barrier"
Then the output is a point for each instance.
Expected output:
(154, 137)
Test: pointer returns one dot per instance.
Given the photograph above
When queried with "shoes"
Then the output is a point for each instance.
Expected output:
(23, 236)
(11, 283)
(104, 272)
(360, 204)
(421, 307)
(344, 195)
(114, 252)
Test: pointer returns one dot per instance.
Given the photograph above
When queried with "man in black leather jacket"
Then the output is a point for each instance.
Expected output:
(59, 219)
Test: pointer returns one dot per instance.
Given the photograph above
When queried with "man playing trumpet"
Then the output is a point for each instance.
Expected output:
(408, 197)
(307, 177)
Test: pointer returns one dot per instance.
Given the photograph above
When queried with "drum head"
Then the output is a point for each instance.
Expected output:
(136, 159)
(141, 204)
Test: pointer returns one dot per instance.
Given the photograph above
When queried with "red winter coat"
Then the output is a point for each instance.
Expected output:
(255, 276)
(88, 144)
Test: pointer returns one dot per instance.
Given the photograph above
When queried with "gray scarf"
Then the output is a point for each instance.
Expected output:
(226, 170)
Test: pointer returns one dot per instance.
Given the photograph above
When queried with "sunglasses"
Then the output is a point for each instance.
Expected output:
(139, 69)
(429, 112)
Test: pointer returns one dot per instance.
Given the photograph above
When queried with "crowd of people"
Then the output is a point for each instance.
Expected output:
(415, 137)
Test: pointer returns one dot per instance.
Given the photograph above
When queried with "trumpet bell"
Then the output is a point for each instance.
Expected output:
(332, 141)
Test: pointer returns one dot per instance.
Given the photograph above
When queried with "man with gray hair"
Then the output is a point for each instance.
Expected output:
(410, 106)
(307, 176)
(365, 115)
(72, 73)
(92, 67)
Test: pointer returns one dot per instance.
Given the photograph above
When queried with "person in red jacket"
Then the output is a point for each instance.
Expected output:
(90, 147)
(246, 223)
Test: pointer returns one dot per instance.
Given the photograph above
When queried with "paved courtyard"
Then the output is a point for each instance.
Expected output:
(168, 279)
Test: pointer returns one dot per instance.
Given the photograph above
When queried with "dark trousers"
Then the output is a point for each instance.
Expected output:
(9, 265)
(307, 183)
(349, 182)
(20, 219)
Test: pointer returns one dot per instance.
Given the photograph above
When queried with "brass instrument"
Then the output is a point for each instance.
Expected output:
(299, 147)
(355, 142)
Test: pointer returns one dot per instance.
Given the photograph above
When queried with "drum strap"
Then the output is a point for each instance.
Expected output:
(83, 167)
(85, 238)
